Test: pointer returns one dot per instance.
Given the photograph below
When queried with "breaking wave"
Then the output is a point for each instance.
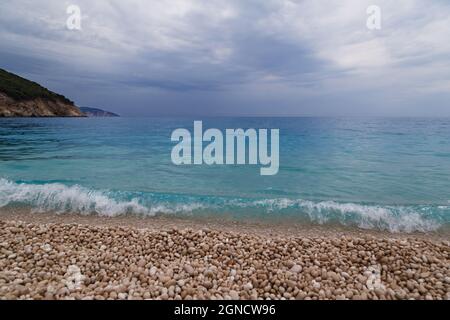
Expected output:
(60, 198)
(390, 218)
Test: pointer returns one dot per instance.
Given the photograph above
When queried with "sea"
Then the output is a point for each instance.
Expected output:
(389, 174)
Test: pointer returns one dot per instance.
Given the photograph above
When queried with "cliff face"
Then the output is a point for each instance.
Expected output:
(38, 107)
(20, 97)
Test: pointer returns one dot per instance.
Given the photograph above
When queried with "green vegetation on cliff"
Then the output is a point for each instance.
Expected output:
(21, 89)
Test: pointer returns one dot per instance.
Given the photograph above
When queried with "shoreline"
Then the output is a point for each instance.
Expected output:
(258, 227)
(48, 256)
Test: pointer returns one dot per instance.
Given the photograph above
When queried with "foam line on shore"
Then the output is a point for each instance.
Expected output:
(60, 198)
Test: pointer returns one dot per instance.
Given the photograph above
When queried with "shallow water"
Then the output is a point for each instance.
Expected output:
(388, 174)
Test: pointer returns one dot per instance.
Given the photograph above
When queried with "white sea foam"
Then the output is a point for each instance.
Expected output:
(59, 198)
(390, 218)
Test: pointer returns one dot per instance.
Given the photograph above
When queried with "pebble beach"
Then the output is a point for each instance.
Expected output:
(66, 260)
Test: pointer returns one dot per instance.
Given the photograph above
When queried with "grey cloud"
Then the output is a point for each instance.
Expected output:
(236, 57)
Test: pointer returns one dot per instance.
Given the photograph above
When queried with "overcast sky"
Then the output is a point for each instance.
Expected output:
(243, 57)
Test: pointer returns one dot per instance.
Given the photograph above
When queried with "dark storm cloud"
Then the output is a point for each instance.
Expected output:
(222, 57)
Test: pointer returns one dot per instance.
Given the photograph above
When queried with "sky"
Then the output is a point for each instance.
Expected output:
(235, 57)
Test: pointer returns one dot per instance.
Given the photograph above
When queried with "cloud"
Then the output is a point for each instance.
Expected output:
(237, 56)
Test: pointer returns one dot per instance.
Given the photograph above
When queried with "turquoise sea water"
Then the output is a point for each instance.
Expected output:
(389, 174)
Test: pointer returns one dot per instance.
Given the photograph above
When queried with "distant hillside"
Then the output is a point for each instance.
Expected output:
(20, 97)
(94, 112)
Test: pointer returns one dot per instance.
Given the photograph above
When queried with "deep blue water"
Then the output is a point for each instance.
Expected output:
(391, 174)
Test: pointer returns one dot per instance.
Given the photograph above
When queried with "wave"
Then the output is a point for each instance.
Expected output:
(389, 218)
(60, 198)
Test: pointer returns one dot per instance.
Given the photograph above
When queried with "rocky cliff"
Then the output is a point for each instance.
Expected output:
(20, 97)
(38, 107)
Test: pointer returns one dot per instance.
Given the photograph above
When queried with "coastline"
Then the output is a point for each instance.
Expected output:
(249, 226)
(43, 255)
